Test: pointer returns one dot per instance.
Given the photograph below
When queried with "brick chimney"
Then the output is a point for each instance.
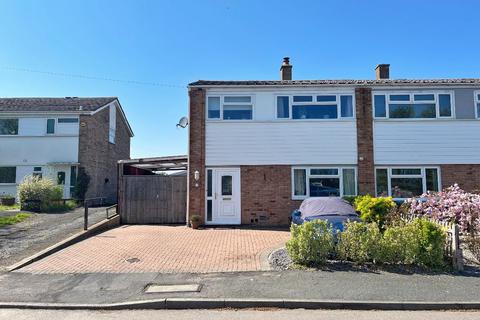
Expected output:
(382, 71)
(286, 69)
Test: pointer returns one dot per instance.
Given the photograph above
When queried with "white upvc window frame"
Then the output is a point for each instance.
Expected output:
(16, 176)
(476, 99)
(223, 103)
(411, 94)
(18, 126)
(315, 103)
(55, 123)
(421, 175)
(308, 175)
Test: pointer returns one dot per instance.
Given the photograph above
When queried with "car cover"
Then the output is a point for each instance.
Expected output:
(325, 206)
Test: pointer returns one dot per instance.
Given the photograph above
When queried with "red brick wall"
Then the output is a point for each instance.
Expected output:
(196, 152)
(366, 167)
(466, 175)
(267, 195)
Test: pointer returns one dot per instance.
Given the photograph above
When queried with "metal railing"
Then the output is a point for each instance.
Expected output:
(86, 204)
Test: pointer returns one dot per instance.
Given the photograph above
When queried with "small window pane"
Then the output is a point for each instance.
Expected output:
(234, 99)
(8, 174)
(37, 168)
(227, 185)
(478, 110)
(8, 126)
(324, 172)
(380, 106)
(445, 105)
(478, 97)
(61, 177)
(406, 187)
(282, 107)
(237, 112)
(209, 183)
(346, 106)
(213, 107)
(406, 171)
(349, 182)
(324, 187)
(302, 99)
(50, 126)
(299, 182)
(399, 97)
(382, 182)
(315, 112)
(209, 210)
(67, 120)
(326, 98)
(432, 179)
(424, 97)
(418, 110)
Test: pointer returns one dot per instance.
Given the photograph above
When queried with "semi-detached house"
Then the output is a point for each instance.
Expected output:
(257, 148)
(54, 137)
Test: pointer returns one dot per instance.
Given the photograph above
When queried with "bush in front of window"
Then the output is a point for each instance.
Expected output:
(374, 209)
(311, 243)
(359, 242)
(36, 194)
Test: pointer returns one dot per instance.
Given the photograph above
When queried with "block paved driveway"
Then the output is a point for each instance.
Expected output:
(166, 249)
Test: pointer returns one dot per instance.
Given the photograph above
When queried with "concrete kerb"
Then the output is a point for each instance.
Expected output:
(192, 303)
(95, 229)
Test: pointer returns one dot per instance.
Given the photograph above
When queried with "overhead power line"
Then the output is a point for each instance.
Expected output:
(82, 76)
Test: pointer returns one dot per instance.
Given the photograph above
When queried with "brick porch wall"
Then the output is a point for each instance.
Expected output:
(196, 152)
(267, 195)
(366, 167)
(466, 175)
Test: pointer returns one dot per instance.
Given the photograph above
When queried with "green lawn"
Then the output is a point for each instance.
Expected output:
(4, 221)
(16, 206)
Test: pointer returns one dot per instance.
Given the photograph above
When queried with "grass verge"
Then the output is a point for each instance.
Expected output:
(7, 208)
(5, 221)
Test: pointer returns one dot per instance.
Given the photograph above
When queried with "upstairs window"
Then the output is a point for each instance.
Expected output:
(68, 120)
(230, 107)
(477, 104)
(325, 106)
(8, 126)
(416, 105)
(50, 126)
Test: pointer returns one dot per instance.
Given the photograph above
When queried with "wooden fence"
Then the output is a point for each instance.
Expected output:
(151, 199)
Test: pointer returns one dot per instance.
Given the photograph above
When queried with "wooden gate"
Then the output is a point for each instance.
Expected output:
(152, 199)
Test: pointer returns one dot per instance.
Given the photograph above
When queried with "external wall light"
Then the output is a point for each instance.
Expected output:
(196, 177)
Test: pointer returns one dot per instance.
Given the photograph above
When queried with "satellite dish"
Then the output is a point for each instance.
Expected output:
(183, 122)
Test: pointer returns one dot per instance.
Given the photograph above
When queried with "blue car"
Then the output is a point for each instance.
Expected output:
(333, 209)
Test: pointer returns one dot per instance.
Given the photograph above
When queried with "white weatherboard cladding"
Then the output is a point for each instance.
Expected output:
(18, 150)
(427, 142)
(280, 142)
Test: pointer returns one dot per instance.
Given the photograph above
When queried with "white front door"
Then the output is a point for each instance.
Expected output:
(223, 199)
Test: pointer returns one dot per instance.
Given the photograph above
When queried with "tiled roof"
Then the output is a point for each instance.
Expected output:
(383, 82)
(53, 104)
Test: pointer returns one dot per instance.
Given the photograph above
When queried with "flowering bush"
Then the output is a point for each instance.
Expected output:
(452, 204)
(36, 194)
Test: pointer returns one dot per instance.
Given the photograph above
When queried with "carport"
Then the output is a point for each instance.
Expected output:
(153, 190)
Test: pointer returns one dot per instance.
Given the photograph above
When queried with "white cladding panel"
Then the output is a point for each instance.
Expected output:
(281, 142)
(32, 126)
(427, 142)
(18, 150)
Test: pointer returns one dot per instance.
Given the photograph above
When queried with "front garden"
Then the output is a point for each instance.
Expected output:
(418, 234)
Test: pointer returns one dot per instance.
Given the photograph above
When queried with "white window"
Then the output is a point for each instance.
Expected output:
(477, 104)
(315, 106)
(37, 172)
(112, 123)
(413, 105)
(230, 107)
(323, 182)
(406, 182)
(8, 174)
(50, 126)
(8, 126)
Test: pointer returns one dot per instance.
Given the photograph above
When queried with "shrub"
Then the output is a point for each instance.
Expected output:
(59, 206)
(35, 192)
(359, 242)
(82, 183)
(311, 242)
(374, 209)
(419, 242)
(195, 218)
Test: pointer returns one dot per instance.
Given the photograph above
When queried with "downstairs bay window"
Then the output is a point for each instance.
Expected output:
(323, 182)
(406, 182)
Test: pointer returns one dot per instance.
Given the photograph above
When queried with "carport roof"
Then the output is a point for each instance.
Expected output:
(159, 163)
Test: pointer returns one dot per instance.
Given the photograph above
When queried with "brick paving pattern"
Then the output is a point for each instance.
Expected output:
(166, 249)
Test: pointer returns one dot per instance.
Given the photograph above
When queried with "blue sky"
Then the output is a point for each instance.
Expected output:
(177, 42)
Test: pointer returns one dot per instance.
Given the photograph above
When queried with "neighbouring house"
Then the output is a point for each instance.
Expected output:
(57, 137)
(257, 148)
